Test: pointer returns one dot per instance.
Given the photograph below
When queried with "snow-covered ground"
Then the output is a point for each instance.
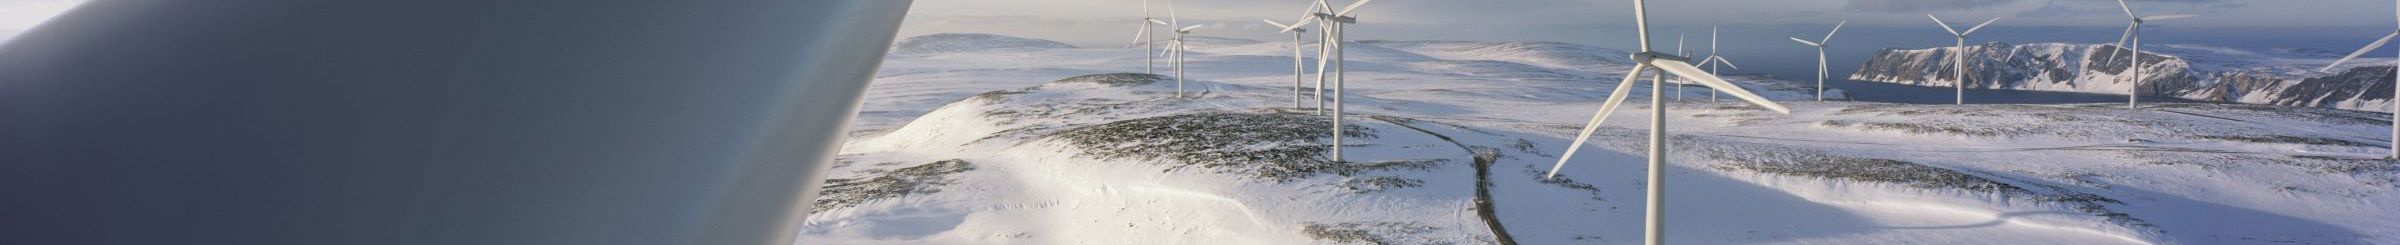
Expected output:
(1075, 146)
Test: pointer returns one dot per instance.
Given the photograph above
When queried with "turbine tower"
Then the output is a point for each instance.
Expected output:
(2387, 38)
(1147, 40)
(1177, 46)
(1324, 47)
(1299, 66)
(1336, 20)
(1712, 61)
(1958, 55)
(1653, 222)
(2133, 30)
(1820, 44)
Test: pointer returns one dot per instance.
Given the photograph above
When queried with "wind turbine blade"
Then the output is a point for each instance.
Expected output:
(1171, 15)
(1837, 28)
(1712, 40)
(1971, 31)
(1303, 21)
(1821, 64)
(1615, 99)
(1728, 63)
(1138, 36)
(1687, 71)
(1278, 25)
(2128, 9)
(1353, 7)
(1945, 25)
(2362, 51)
(1189, 28)
(2168, 17)
(2112, 53)
(1806, 42)
(1328, 8)
(1163, 23)
(1705, 61)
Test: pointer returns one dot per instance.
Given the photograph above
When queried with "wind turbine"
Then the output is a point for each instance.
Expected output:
(1298, 66)
(1712, 61)
(1324, 48)
(1959, 55)
(1147, 40)
(1336, 20)
(1653, 221)
(2133, 30)
(1177, 46)
(2387, 38)
(1821, 44)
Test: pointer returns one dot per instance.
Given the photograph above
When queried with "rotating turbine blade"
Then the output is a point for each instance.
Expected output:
(1353, 7)
(1821, 64)
(1615, 99)
(2112, 53)
(1189, 28)
(1163, 23)
(1837, 28)
(1971, 31)
(1945, 25)
(1806, 42)
(2168, 17)
(2362, 51)
(1323, 8)
(1728, 63)
(1278, 25)
(1137, 36)
(2128, 9)
(1687, 71)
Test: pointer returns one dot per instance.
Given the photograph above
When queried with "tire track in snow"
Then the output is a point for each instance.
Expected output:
(1483, 180)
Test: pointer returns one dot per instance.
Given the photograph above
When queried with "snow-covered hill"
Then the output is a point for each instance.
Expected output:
(1076, 146)
(2285, 77)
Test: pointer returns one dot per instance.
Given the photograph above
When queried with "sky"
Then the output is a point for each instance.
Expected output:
(1754, 31)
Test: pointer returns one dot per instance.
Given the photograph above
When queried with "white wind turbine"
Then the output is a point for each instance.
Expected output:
(1713, 60)
(1334, 22)
(1298, 65)
(2133, 31)
(1177, 46)
(1821, 44)
(1147, 40)
(1680, 51)
(1653, 221)
(1959, 55)
(2387, 38)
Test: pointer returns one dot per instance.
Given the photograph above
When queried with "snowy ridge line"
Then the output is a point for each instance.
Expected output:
(2186, 71)
(1996, 207)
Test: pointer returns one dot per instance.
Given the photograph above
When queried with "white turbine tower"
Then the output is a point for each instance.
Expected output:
(1177, 46)
(1324, 47)
(1653, 222)
(2387, 38)
(1821, 44)
(1298, 65)
(1959, 55)
(2133, 31)
(1335, 20)
(1147, 40)
(1712, 61)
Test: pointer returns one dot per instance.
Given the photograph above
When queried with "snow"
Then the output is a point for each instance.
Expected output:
(1053, 162)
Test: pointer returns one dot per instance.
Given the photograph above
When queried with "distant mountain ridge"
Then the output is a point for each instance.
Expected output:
(972, 42)
(2285, 77)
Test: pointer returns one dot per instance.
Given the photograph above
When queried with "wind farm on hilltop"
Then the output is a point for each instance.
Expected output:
(1470, 141)
(1036, 122)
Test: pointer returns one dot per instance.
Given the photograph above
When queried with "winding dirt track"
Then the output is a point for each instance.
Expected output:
(1483, 180)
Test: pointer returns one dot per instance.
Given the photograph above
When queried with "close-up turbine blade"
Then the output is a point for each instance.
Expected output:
(1971, 31)
(2168, 17)
(2128, 9)
(1615, 99)
(1945, 25)
(1728, 63)
(1806, 42)
(1353, 7)
(1837, 28)
(2112, 53)
(2362, 51)
(1687, 71)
